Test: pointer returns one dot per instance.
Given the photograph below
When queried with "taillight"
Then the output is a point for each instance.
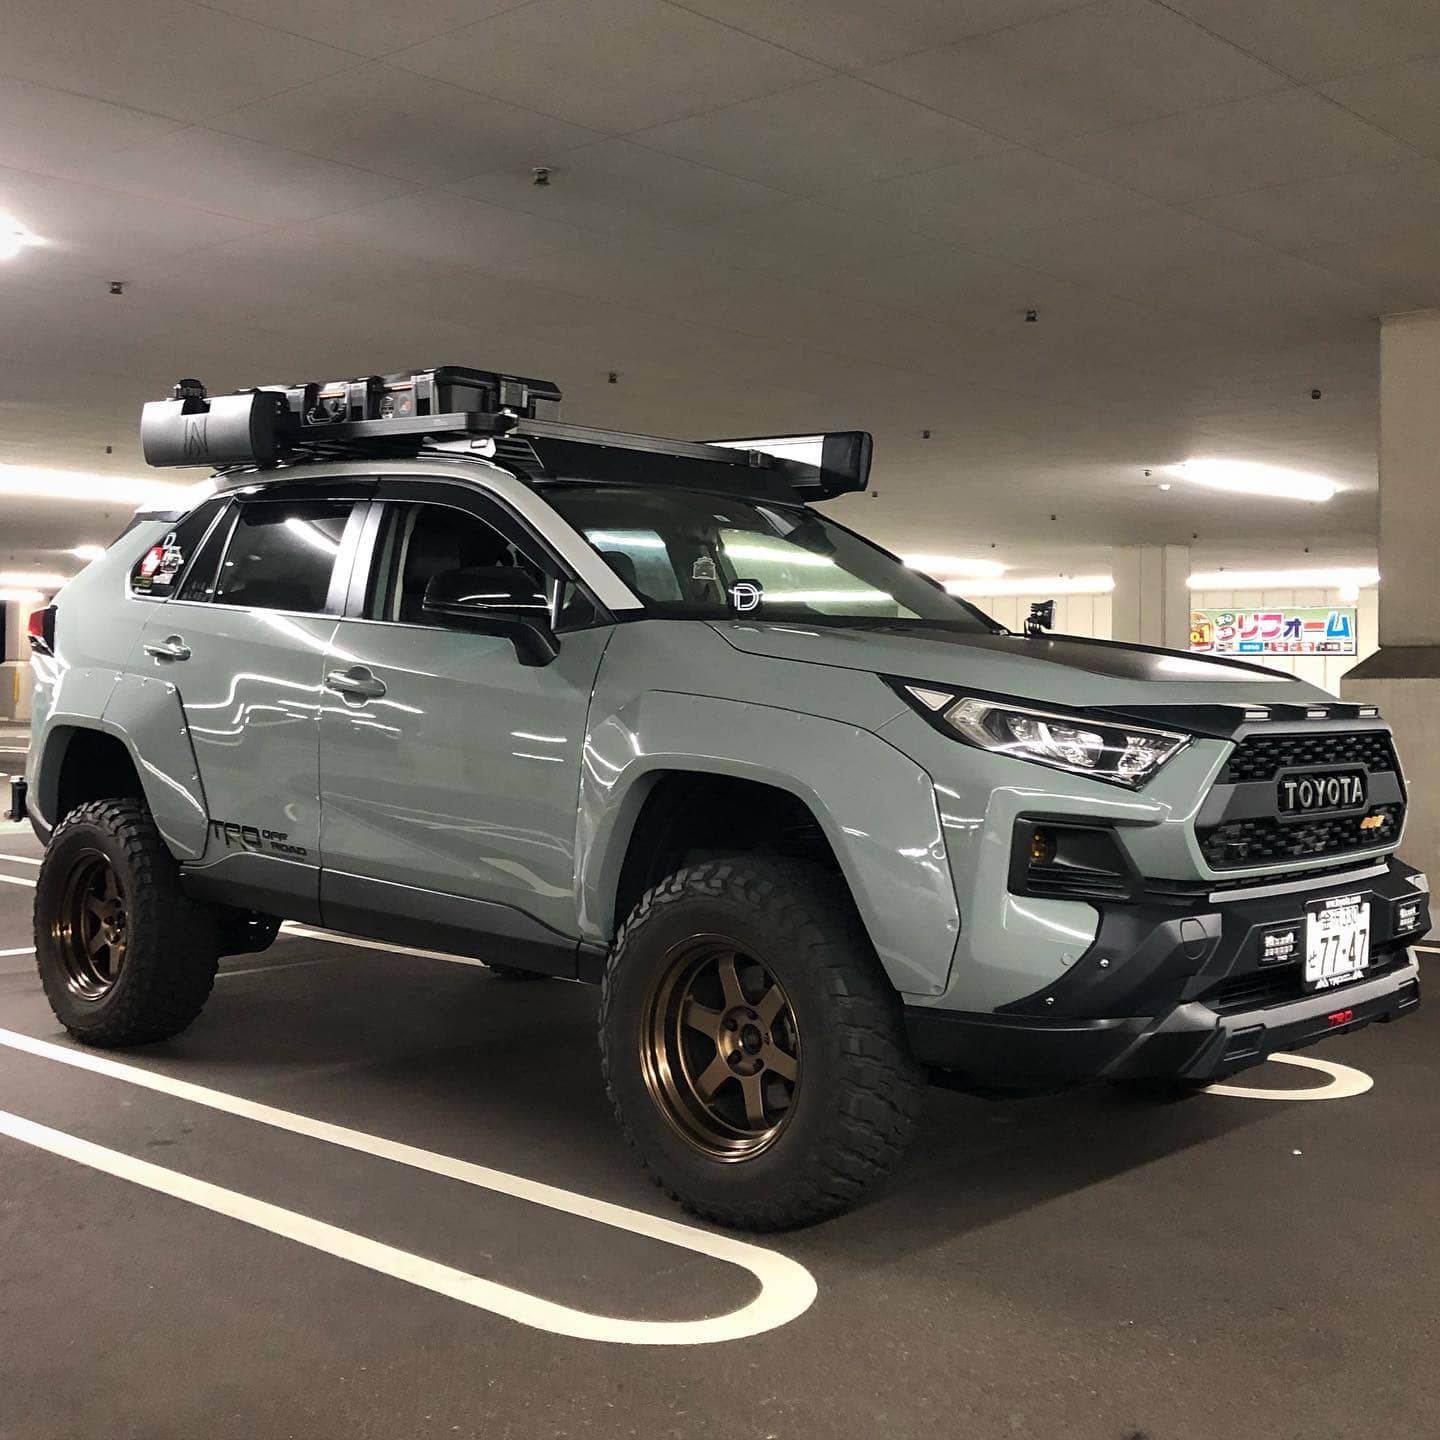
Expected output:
(41, 630)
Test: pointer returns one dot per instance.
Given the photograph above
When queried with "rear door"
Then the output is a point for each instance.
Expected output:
(451, 773)
(244, 641)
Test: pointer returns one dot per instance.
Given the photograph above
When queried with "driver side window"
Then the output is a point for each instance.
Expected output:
(423, 550)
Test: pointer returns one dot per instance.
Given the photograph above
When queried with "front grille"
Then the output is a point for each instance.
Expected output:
(1263, 757)
(1282, 983)
(1241, 827)
(1265, 841)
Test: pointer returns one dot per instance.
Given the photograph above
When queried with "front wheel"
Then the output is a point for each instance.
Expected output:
(125, 956)
(753, 1048)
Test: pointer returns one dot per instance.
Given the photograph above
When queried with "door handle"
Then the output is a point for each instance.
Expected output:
(356, 683)
(172, 647)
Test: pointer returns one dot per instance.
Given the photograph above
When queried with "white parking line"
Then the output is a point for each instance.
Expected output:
(21, 950)
(21, 859)
(787, 1289)
(265, 969)
(1345, 1081)
(17, 880)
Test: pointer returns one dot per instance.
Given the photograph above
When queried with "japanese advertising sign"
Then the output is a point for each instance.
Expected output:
(1284, 630)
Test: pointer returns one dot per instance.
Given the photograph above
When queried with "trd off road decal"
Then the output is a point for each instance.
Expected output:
(251, 837)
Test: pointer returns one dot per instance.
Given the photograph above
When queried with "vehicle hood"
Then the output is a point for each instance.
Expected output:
(1062, 669)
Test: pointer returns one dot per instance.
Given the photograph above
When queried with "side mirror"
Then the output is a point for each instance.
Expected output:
(1041, 617)
(496, 600)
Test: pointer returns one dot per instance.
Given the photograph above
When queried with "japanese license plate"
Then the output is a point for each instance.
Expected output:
(1337, 941)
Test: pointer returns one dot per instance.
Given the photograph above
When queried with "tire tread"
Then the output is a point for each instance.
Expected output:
(877, 1101)
(174, 940)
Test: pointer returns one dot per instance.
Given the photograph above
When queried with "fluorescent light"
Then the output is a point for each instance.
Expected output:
(805, 448)
(21, 597)
(1245, 477)
(1333, 578)
(625, 539)
(312, 535)
(14, 237)
(87, 553)
(44, 579)
(1041, 585)
(779, 555)
(829, 597)
(953, 565)
(84, 485)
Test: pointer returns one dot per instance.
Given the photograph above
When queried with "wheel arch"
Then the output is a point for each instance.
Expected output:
(686, 814)
(842, 793)
(88, 759)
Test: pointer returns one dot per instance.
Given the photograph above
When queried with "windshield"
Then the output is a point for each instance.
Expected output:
(696, 556)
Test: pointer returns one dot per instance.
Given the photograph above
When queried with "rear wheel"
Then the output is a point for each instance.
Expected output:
(753, 1048)
(125, 956)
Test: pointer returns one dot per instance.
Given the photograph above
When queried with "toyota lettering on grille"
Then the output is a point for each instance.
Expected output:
(1318, 793)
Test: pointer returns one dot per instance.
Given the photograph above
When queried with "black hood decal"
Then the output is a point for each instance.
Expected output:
(1112, 658)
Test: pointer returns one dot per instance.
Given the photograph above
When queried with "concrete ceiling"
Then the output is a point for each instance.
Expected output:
(764, 215)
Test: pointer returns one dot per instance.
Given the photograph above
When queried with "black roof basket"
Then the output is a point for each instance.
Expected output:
(452, 409)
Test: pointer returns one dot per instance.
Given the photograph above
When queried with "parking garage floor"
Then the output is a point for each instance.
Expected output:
(317, 1217)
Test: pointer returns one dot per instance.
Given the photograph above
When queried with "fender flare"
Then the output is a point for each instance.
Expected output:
(876, 807)
(138, 709)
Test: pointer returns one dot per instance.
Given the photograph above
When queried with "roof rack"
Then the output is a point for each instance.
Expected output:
(452, 409)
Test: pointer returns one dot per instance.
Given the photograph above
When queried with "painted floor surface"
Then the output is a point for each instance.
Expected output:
(1086, 1267)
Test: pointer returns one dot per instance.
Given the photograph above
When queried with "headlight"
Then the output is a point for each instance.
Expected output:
(1122, 754)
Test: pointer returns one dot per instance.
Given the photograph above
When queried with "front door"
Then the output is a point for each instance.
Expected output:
(450, 770)
(244, 641)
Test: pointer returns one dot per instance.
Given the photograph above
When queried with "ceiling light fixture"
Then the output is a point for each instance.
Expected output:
(1348, 580)
(1039, 585)
(14, 237)
(32, 579)
(87, 553)
(1247, 477)
(20, 597)
(953, 565)
(82, 485)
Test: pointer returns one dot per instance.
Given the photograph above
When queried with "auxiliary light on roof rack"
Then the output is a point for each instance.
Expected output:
(452, 409)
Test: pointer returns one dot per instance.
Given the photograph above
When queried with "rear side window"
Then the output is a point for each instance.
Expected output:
(159, 571)
(282, 554)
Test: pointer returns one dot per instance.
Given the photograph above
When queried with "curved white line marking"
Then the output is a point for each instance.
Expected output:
(787, 1289)
(1345, 1081)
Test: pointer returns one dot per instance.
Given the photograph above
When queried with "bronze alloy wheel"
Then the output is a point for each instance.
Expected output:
(720, 1049)
(88, 929)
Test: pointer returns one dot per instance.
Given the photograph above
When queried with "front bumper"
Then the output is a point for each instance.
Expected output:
(1188, 987)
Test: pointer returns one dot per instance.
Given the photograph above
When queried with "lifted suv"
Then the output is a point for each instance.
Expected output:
(420, 666)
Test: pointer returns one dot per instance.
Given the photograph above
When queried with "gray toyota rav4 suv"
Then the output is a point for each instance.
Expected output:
(418, 665)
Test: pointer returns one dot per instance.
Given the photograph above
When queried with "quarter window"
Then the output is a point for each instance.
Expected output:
(159, 571)
(282, 554)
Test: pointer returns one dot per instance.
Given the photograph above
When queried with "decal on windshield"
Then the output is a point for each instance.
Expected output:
(746, 595)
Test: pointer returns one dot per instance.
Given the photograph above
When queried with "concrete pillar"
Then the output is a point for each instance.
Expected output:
(1403, 676)
(1151, 603)
(14, 663)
